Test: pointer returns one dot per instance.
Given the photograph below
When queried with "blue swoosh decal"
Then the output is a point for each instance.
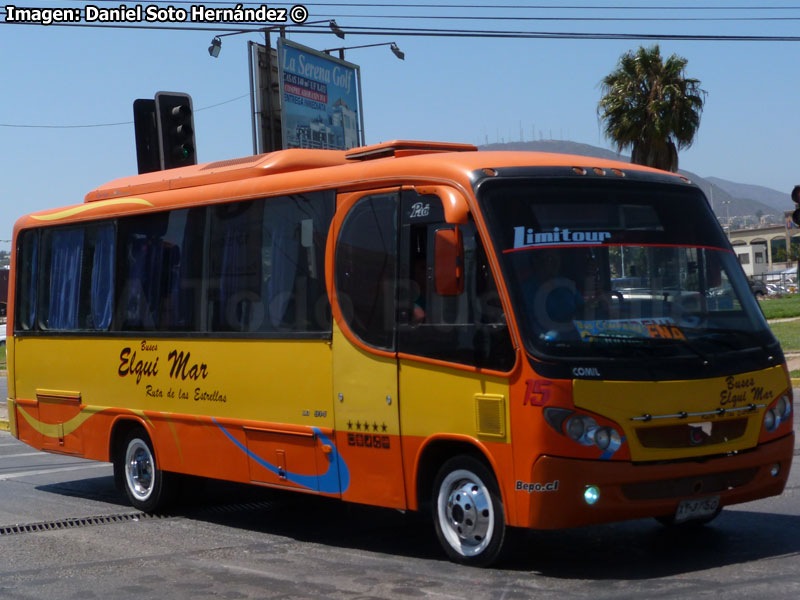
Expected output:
(335, 480)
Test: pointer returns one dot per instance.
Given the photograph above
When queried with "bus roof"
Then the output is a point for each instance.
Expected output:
(388, 164)
(374, 158)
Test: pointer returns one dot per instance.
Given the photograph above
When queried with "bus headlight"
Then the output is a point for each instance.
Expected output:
(581, 429)
(602, 438)
(778, 414)
(783, 407)
(607, 438)
(770, 420)
(576, 428)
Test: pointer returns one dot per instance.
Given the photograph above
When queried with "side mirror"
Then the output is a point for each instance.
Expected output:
(449, 262)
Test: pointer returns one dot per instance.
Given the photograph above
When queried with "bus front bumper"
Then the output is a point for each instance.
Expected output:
(622, 490)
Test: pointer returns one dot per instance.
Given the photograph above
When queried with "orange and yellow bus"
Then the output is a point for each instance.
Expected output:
(505, 339)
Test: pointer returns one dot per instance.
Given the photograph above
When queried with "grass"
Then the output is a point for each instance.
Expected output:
(788, 335)
(781, 308)
(3, 356)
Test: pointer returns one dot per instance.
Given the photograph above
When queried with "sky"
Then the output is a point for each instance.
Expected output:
(447, 89)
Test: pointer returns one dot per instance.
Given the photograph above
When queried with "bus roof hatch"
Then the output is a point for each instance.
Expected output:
(400, 148)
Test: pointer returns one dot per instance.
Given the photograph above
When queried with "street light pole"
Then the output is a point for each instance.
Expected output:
(392, 45)
(727, 204)
(266, 134)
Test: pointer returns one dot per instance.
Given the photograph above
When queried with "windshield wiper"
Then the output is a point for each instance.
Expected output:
(663, 341)
(749, 335)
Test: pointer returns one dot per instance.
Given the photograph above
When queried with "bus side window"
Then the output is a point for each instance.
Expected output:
(76, 287)
(267, 266)
(60, 286)
(98, 296)
(293, 263)
(366, 269)
(27, 278)
(235, 267)
(160, 271)
(467, 328)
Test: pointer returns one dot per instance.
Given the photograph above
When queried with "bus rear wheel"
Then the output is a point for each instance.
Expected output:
(468, 512)
(146, 486)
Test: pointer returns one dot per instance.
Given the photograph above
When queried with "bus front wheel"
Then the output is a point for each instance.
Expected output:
(468, 512)
(145, 484)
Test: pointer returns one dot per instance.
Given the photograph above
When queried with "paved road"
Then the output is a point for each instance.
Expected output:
(65, 532)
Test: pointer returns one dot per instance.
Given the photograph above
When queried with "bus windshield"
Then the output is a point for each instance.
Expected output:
(619, 268)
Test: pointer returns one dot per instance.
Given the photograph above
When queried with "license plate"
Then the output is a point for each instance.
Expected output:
(698, 508)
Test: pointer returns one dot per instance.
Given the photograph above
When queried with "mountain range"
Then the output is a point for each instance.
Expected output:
(728, 198)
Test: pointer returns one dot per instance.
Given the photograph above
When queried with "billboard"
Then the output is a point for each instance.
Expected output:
(320, 98)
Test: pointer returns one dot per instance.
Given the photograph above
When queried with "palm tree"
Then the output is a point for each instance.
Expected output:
(651, 106)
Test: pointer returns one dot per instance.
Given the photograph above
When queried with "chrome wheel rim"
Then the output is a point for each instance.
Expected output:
(139, 469)
(466, 515)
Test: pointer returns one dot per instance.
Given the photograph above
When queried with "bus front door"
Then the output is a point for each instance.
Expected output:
(366, 404)
(367, 425)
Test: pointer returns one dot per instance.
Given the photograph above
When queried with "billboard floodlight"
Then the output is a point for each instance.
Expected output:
(336, 29)
(397, 52)
(215, 47)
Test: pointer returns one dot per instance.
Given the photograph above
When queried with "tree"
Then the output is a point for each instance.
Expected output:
(650, 106)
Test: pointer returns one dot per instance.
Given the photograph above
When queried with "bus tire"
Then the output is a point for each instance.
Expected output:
(146, 486)
(468, 512)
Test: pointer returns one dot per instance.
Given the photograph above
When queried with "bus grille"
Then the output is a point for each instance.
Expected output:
(692, 435)
(688, 486)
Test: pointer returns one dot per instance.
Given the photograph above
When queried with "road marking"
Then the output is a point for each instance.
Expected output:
(25, 454)
(47, 471)
(10, 444)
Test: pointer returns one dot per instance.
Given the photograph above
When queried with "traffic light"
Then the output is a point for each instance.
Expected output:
(148, 154)
(164, 130)
(175, 124)
(796, 200)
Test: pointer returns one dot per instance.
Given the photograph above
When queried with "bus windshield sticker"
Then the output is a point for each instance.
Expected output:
(526, 237)
(663, 327)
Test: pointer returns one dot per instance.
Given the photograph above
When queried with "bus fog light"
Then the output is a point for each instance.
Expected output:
(775, 470)
(591, 494)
